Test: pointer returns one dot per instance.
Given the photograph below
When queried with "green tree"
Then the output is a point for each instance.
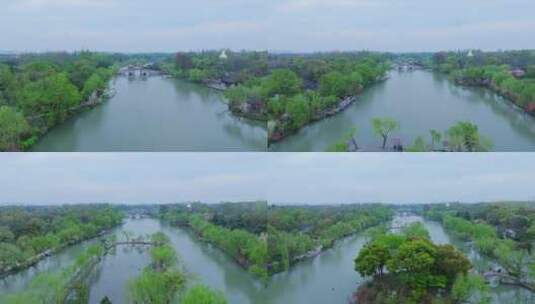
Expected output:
(156, 287)
(200, 294)
(12, 127)
(372, 259)
(163, 257)
(470, 288)
(335, 84)
(418, 145)
(435, 138)
(464, 136)
(383, 127)
(299, 110)
(416, 230)
(282, 82)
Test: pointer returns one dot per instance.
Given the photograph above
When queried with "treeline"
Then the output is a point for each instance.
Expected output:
(296, 232)
(510, 74)
(163, 281)
(247, 243)
(39, 91)
(409, 268)
(27, 234)
(502, 232)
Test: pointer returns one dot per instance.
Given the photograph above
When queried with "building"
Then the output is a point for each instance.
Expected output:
(518, 73)
(223, 55)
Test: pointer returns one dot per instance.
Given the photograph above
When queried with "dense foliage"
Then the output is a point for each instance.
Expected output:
(29, 233)
(298, 232)
(409, 268)
(40, 91)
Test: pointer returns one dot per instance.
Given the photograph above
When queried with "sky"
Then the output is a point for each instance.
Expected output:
(278, 25)
(295, 178)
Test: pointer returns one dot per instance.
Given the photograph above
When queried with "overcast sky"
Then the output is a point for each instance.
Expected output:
(284, 25)
(313, 178)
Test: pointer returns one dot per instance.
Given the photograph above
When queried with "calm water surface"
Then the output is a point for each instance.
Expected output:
(157, 114)
(420, 101)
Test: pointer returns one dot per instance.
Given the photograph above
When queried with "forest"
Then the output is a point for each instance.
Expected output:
(39, 91)
(28, 234)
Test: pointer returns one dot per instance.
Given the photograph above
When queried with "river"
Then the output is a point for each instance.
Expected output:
(420, 101)
(156, 114)
(328, 278)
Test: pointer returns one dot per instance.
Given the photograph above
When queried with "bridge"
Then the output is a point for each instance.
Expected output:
(141, 70)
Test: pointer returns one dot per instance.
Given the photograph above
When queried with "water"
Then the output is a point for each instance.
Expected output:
(328, 278)
(157, 114)
(420, 101)
(203, 263)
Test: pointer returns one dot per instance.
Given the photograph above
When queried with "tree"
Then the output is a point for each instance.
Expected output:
(200, 294)
(335, 84)
(299, 110)
(470, 288)
(282, 82)
(418, 145)
(105, 300)
(383, 127)
(93, 84)
(6, 235)
(12, 126)
(163, 257)
(464, 136)
(450, 262)
(372, 259)
(435, 138)
(416, 230)
(155, 287)
(52, 97)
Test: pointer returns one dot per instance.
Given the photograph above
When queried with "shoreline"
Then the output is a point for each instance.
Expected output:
(342, 105)
(49, 253)
(91, 103)
(490, 86)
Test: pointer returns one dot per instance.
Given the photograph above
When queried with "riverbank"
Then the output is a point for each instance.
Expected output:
(490, 85)
(97, 98)
(50, 252)
(343, 104)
